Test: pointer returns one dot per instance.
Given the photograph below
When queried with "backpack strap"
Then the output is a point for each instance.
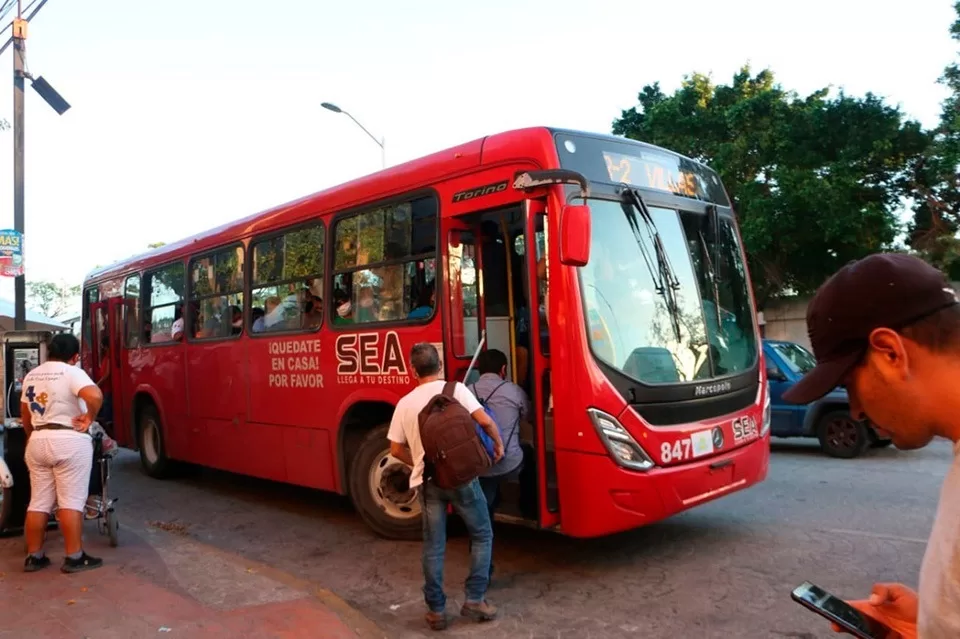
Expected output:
(449, 388)
(492, 393)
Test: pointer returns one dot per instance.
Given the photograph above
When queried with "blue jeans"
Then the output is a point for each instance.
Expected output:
(468, 502)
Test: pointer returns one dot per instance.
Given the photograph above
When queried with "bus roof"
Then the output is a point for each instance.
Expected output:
(396, 179)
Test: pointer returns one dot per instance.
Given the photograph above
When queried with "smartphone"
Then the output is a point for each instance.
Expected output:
(838, 611)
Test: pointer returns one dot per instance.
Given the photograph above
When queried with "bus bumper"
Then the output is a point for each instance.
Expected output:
(597, 497)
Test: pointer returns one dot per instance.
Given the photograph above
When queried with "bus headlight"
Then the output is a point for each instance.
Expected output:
(767, 413)
(619, 443)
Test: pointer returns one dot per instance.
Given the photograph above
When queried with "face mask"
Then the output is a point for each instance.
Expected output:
(238, 324)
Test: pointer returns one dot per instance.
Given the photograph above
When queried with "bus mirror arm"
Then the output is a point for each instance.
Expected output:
(527, 180)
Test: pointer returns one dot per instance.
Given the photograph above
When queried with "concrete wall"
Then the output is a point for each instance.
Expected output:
(787, 319)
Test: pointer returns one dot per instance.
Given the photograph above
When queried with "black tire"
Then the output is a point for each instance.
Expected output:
(6, 508)
(153, 450)
(370, 502)
(113, 527)
(880, 443)
(842, 436)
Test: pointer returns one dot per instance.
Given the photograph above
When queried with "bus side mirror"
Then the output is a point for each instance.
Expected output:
(575, 234)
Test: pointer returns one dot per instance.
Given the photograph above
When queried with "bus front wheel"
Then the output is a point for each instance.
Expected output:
(153, 451)
(380, 489)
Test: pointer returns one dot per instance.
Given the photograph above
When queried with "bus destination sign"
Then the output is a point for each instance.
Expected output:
(621, 161)
(660, 172)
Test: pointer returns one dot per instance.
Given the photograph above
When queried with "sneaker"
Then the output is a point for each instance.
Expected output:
(84, 562)
(479, 611)
(32, 564)
(436, 620)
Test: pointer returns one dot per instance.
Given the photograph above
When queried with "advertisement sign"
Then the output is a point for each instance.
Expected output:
(11, 253)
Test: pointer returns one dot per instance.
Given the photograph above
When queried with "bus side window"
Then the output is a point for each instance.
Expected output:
(131, 295)
(287, 282)
(385, 264)
(165, 302)
(216, 295)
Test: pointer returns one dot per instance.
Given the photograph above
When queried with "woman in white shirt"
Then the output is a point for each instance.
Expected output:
(58, 403)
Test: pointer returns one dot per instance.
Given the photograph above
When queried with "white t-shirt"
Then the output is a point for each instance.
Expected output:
(51, 393)
(405, 425)
(939, 615)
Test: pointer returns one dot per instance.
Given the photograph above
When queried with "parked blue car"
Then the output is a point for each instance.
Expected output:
(827, 419)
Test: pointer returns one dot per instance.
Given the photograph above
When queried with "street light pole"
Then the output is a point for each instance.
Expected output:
(382, 142)
(19, 51)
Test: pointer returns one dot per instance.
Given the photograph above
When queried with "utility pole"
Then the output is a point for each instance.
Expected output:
(58, 104)
(19, 53)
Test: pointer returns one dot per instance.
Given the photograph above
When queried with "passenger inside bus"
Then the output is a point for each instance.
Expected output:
(425, 304)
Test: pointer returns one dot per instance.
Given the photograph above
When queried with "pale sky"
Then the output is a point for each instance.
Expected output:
(189, 114)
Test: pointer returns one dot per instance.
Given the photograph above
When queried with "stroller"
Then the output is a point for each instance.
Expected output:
(99, 502)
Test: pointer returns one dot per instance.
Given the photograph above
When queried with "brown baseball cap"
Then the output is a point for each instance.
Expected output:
(886, 290)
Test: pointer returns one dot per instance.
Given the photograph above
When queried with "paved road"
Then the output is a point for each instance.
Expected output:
(722, 570)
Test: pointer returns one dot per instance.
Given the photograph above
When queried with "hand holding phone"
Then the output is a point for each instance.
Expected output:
(842, 614)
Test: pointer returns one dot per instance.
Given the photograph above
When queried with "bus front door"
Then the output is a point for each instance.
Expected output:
(107, 354)
(122, 429)
(537, 243)
(464, 299)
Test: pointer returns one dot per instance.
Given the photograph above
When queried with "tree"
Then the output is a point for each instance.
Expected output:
(156, 245)
(51, 298)
(815, 180)
(936, 182)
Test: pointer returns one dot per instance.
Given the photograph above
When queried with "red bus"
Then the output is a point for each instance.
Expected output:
(636, 341)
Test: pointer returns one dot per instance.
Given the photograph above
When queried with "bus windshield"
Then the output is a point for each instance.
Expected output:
(652, 305)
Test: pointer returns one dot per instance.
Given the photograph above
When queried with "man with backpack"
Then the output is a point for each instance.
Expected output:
(509, 405)
(433, 431)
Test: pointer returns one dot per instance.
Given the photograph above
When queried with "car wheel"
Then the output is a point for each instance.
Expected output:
(842, 436)
(380, 489)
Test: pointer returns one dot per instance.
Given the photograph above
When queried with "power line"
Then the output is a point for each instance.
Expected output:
(29, 18)
(7, 6)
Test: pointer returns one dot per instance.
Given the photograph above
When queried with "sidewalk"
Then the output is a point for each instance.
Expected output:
(165, 584)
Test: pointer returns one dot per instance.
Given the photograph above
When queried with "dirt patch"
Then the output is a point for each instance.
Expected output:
(175, 527)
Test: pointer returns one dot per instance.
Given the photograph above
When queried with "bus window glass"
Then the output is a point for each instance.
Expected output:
(658, 334)
(464, 293)
(385, 262)
(131, 295)
(287, 286)
(165, 298)
(216, 295)
(90, 297)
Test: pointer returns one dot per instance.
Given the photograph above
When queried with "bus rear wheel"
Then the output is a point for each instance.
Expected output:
(153, 451)
(380, 489)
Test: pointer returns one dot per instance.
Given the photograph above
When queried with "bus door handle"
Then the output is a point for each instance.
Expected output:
(721, 464)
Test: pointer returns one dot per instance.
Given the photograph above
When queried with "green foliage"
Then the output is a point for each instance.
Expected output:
(52, 299)
(935, 180)
(815, 180)
(155, 245)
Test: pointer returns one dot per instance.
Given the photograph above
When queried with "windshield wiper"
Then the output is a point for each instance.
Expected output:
(664, 277)
(711, 268)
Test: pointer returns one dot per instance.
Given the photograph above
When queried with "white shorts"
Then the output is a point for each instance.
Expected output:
(60, 462)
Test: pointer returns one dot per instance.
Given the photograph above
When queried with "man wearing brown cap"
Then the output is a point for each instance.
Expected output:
(888, 328)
